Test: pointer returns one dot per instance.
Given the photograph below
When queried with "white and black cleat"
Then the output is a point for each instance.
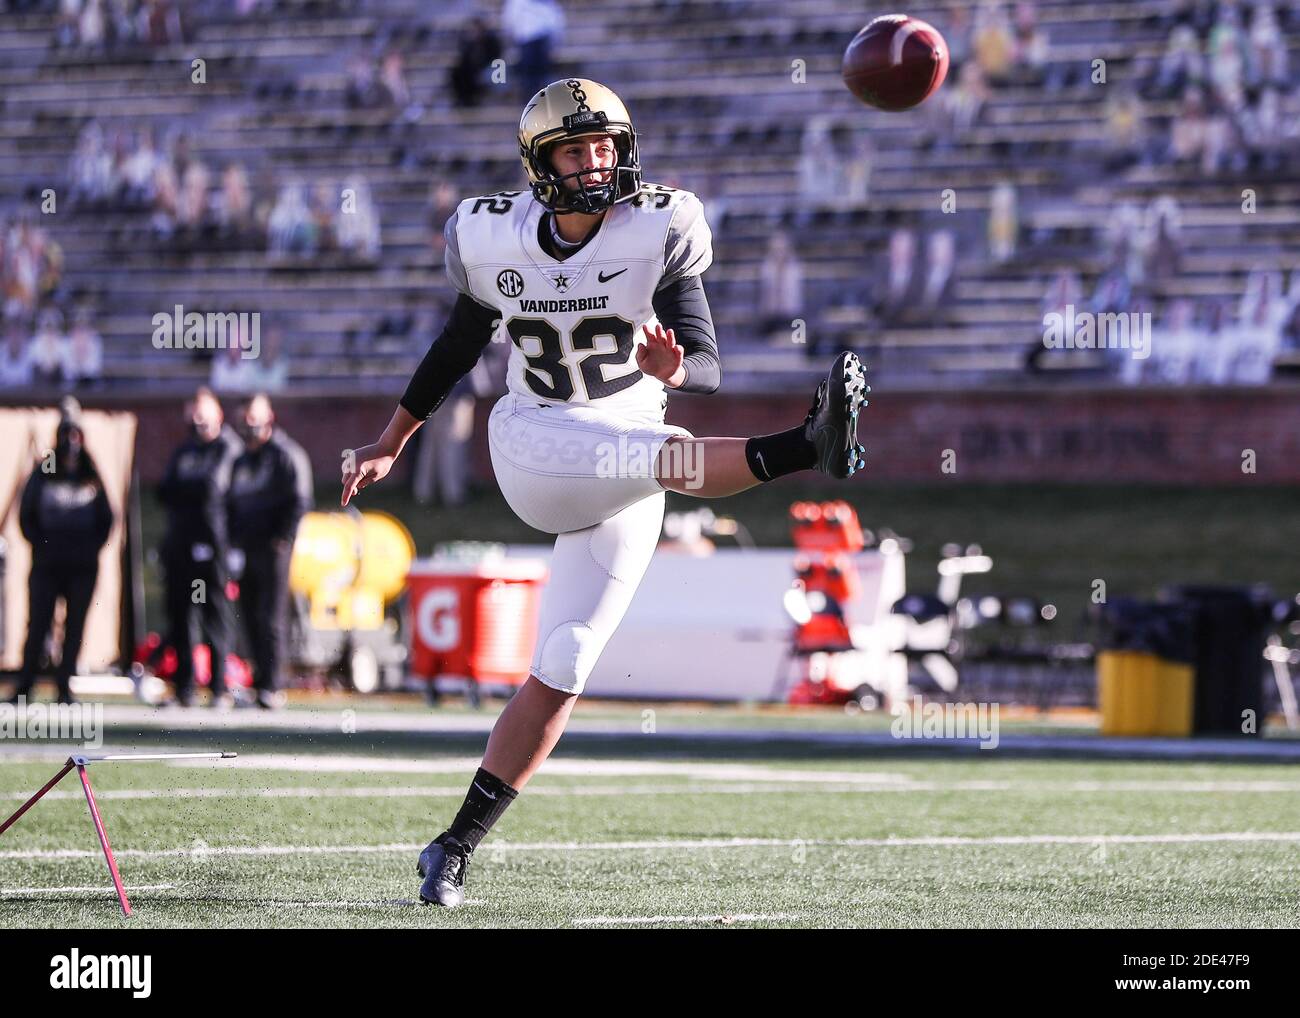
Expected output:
(442, 865)
(832, 423)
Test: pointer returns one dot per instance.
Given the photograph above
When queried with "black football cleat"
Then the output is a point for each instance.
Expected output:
(832, 423)
(442, 865)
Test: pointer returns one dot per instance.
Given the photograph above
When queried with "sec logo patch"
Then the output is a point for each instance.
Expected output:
(510, 283)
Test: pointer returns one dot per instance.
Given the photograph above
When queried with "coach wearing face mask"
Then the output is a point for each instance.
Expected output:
(65, 515)
(194, 550)
(270, 490)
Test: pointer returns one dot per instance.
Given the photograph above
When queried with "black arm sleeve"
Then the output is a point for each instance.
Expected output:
(29, 517)
(215, 508)
(103, 518)
(682, 307)
(456, 350)
(303, 498)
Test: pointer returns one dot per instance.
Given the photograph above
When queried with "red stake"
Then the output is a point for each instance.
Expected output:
(103, 839)
(78, 761)
(32, 801)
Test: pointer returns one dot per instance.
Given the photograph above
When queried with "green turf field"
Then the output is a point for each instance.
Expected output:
(639, 830)
(642, 830)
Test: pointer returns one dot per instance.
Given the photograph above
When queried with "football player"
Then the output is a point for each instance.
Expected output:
(594, 278)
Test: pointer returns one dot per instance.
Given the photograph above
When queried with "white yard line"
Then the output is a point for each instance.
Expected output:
(669, 843)
(647, 920)
(410, 791)
(344, 763)
(1168, 786)
(940, 840)
(212, 852)
(878, 780)
(80, 890)
(456, 792)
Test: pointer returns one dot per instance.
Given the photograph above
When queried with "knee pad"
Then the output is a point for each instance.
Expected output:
(594, 575)
(567, 655)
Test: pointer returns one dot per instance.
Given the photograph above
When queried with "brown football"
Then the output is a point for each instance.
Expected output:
(895, 63)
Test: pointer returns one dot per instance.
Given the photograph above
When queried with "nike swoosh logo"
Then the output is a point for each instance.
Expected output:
(759, 455)
(605, 279)
(484, 790)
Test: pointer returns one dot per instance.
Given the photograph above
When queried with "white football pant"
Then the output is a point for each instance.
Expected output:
(588, 477)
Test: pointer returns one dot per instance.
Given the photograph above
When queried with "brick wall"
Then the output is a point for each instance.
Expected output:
(1178, 436)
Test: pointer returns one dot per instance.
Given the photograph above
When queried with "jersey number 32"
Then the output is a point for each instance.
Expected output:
(560, 383)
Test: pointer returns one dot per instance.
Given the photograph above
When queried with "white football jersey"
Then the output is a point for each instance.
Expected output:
(574, 325)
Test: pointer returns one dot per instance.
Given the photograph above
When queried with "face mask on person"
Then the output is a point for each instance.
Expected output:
(253, 434)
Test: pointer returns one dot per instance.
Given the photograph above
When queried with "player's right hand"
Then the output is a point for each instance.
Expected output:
(367, 465)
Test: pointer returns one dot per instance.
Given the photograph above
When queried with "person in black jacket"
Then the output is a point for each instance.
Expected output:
(195, 547)
(476, 48)
(65, 516)
(270, 490)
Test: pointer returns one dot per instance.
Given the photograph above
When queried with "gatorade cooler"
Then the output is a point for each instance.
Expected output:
(474, 620)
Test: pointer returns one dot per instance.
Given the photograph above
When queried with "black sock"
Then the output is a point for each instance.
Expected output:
(773, 456)
(487, 799)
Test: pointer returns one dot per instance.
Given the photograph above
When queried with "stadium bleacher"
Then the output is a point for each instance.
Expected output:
(710, 85)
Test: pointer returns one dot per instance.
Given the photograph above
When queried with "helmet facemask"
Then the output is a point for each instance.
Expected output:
(589, 196)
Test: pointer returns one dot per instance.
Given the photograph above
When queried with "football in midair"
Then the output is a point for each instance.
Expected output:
(895, 63)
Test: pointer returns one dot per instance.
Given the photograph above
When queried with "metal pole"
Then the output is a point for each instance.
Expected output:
(126, 757)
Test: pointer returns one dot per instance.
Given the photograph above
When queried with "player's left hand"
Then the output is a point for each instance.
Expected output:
(661, 356)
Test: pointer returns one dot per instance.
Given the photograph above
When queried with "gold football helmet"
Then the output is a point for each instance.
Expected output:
(569, 109)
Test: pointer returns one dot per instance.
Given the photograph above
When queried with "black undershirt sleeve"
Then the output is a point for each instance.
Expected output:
(451, 356)
(682, 306)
